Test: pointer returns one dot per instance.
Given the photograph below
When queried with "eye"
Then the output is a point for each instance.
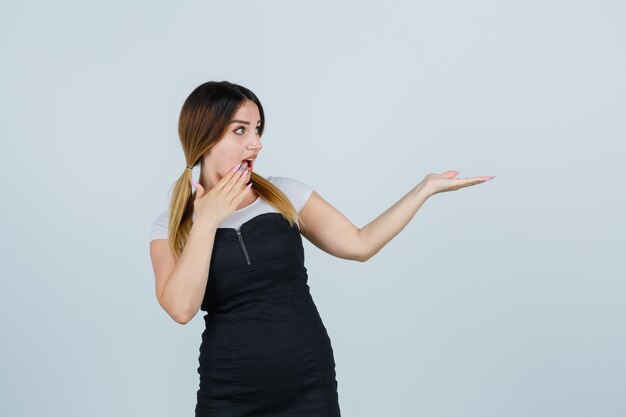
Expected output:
(241, 127)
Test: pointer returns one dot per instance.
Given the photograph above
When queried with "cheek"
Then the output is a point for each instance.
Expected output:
(227, 153)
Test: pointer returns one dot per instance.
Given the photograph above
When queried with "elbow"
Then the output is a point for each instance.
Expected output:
(178, 314)
(366, 255)
(182, 316)
(363, 254)
(181, 319)
(363, 257)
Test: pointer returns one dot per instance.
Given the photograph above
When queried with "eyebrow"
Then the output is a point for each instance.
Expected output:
(243, 121)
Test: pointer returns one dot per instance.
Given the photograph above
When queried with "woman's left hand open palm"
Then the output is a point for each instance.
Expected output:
(439, 183)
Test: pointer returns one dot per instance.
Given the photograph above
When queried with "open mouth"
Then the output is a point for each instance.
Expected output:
(249, 164)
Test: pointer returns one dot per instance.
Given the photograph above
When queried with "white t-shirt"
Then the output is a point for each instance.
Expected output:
(297, 192)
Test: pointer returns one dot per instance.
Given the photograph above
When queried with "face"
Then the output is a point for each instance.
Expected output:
(241, 140)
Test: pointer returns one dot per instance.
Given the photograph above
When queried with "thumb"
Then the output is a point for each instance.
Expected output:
(451, 173)
(198, 187)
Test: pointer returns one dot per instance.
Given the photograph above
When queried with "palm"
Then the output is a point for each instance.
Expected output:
(447, 181)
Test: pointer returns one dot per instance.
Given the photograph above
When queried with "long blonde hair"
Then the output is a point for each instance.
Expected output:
(205, 116)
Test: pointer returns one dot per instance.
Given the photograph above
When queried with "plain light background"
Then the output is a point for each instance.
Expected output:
(502, 299)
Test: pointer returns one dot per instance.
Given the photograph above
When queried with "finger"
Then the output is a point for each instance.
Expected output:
(230, 178)
(241, 181)
(234, 180)
(467, 182)
(451, 173)
(242, 193)
(198, 187)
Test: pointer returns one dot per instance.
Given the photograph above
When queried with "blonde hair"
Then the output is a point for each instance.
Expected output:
(204, 118)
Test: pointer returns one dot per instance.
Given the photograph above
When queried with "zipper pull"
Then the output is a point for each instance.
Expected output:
(245, 252)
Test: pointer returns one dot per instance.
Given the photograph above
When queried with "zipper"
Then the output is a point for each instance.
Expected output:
(245, 252)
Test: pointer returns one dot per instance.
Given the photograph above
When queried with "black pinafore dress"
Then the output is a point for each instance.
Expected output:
(264, 350)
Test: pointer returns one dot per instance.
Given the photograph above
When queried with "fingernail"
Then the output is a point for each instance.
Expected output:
(236, 167)
(193, 183)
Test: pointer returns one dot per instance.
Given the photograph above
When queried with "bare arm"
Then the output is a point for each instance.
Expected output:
(180, 286)
(377, 233)
(328, 229)
(331, 231)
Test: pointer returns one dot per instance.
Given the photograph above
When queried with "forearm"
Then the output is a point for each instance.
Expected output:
(184, 290)
(376, 234)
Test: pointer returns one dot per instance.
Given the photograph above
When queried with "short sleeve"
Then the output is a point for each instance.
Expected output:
(297, 191)
(159, 226)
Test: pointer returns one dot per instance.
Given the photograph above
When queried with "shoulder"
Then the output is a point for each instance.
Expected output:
(297, 190)
(160, 225)
(288, 182)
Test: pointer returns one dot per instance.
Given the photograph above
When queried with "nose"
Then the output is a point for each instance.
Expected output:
(256, 144)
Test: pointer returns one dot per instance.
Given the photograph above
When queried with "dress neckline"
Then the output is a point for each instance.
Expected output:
(232, 231)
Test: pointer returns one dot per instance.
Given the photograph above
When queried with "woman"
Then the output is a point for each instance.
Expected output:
(234, 250)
